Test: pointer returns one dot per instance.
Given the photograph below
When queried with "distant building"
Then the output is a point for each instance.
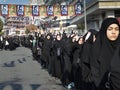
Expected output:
(96, 11)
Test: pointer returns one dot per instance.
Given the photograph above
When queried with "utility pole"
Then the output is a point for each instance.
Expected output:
(85, 16)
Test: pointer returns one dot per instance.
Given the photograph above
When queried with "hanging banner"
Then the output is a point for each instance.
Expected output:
(64, 10)
(57, 11)
(43, 10)
(4, 10)
(78, 8)
(71, 10)
(12, 10)
(35, 10)
(28, 10)
(20, 10)
(50, 10)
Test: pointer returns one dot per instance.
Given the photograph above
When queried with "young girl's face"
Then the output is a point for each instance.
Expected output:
(113, 32)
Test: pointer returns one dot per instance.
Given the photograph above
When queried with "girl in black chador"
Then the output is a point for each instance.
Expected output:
(89, 39)
(103, 50)
(76, 64)
(57, 56)
(46, 49)
(67, 78)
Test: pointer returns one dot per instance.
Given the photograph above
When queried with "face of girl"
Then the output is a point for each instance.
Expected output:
(80, 41)
(58, 37)
(113, 32)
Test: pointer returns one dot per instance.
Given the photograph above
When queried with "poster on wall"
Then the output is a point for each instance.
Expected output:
(50, 10)
(4, 9)
(28, 10)
(20, 10)
(12, 10)
(35, 10)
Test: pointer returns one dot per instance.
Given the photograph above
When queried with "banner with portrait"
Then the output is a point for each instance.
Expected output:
(64, 10)
(43, 10)
(71, 10)
(57, 11)
(35, 10)
(4, 9)
(28, 10)
(78, 9)
(20, 10)
(50, 10)
(12, 10)
(40, 10)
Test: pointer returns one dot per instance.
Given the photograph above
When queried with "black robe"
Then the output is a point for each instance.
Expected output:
(115, 71)
(102, 53)
(57, 59)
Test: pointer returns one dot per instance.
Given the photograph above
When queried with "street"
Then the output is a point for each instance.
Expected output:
(18, 71)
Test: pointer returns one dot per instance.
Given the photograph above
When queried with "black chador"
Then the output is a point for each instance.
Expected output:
(67, 78)
(76, 66)
(57, 57)
(85, 59)
(114, 79)
(102, 52)
(47, 45)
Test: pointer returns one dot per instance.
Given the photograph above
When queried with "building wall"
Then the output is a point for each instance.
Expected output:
(96, 11)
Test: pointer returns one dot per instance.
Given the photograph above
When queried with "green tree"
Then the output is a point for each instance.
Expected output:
(81, 26)
(1, 25)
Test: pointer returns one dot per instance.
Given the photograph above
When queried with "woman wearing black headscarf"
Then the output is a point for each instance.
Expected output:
(103, 50)
(57, 52)
(115, 71)
(89, 39)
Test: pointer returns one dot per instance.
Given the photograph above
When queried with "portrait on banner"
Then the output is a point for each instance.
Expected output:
(64, 10)
(78, 9)
(50, 10)
(4, 9)
(20, 10)
(35, 10)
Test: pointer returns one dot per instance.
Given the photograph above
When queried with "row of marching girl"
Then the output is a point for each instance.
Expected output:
(67, 58)
(90, 62)
(9, 42)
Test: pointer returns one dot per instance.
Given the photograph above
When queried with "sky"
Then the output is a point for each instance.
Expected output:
(14, 2)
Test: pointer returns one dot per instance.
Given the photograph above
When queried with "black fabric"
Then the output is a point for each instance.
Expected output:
(102, 52)
(57, 66)
(115, 71)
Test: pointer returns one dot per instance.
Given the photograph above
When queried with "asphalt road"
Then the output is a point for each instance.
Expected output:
(18, 71)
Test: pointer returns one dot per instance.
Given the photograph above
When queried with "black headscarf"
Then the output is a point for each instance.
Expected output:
(87, 45)
(102, 51)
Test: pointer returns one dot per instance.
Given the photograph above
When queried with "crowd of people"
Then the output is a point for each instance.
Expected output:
(82, 62)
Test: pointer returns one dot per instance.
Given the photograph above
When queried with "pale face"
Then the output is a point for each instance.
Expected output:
(58, 37)
(113, 32)
(80, 41)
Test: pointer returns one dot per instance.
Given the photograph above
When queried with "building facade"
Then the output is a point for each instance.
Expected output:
(96, 11)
